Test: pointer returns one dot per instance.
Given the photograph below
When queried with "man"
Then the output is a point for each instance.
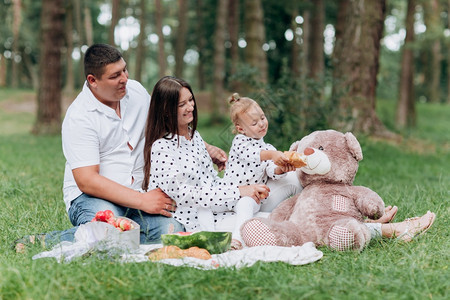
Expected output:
(102, 137)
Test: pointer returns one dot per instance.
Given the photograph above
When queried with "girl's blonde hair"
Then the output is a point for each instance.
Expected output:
(239, 105)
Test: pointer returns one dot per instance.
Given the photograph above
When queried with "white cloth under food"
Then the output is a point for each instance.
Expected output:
(298, 255)
(102, 237)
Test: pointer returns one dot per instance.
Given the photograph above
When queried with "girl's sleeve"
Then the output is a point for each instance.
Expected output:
(179, 185)
(270, 170)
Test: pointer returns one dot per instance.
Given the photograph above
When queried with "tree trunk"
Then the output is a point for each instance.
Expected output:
(17, 20)
(295, 48)
(140, 51)
(219, 59)
(49, 93)
(434, 32)
(305, 46)
(78, 4)
(233, 29)
(201, 43)
(355, 72)
(255, 37)
(88, 26)
(316, 56)
(162, 62)
(80, 41)
(70, 80)
(406, 113)
(448, 55)
(2, 70)
(180, 44)
(115, 16)
(341, 21)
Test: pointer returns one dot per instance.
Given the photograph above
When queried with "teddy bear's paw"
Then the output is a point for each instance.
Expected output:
(256, 233)
(341, 238)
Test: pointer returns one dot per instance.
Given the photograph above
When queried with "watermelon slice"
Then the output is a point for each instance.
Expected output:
(214, 242)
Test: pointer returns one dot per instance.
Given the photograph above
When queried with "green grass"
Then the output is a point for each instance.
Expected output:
(413, 174)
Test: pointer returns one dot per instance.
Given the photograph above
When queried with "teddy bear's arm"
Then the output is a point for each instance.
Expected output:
(283, 211)
(368, 202)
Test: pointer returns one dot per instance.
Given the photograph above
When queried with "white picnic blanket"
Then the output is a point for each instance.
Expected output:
(97, 236)
(298, 255)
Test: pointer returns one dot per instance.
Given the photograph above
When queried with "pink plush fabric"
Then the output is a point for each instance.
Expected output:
(330, 210)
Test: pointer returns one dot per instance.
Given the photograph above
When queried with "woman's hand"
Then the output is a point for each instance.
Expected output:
(157, 202)
(255, 191)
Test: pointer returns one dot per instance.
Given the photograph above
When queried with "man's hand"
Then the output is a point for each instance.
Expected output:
(157, 202)
(218, 156)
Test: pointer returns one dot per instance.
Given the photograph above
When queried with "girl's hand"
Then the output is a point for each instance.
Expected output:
(279, 158)
(284, 169)
(255, 191)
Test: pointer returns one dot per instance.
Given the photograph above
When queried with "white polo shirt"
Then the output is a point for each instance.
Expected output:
(93, 134)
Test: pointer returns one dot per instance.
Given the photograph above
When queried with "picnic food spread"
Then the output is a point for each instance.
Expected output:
(214, 242)
(107, 216)
(175, 252)
(296, 159)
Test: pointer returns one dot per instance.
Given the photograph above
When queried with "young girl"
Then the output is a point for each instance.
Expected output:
(252, 161)
(177, 161)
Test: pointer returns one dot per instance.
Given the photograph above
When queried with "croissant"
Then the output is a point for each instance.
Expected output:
(175, 252)
(296, 159)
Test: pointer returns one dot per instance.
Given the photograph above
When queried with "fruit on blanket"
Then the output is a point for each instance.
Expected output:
(214, 242)
(104, 216)
(123, 224)
(107, 216)
(175, 252)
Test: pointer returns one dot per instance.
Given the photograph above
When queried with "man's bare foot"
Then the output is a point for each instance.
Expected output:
(410, 228)
(389, 215)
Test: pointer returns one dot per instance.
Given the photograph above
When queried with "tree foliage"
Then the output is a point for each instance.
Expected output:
(288, 32)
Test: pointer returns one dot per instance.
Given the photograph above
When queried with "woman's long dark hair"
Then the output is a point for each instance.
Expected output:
(162, 118)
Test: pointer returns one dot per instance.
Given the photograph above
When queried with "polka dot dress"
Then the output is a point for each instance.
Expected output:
(184, 170)
(244, 164)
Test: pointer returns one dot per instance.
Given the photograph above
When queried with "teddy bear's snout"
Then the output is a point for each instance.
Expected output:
(309, 151)
(317, 162)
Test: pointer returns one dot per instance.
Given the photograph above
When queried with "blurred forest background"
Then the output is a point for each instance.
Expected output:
(311, 64)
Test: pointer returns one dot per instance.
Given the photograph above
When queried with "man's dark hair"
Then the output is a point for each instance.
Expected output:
(97, 57)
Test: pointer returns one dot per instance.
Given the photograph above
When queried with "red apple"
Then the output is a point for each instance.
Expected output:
(124, 224)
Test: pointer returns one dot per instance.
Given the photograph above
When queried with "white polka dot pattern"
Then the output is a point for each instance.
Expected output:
(244, 164)
(184, 170)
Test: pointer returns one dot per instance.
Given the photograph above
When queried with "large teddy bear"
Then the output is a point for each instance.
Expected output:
(330, 210)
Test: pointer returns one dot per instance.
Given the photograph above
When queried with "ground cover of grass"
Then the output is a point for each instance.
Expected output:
(412, 174)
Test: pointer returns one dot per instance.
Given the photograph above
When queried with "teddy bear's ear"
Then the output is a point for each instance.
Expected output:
(294, 146)
(354, 146)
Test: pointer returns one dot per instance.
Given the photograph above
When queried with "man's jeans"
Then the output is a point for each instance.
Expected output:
(84, 208)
